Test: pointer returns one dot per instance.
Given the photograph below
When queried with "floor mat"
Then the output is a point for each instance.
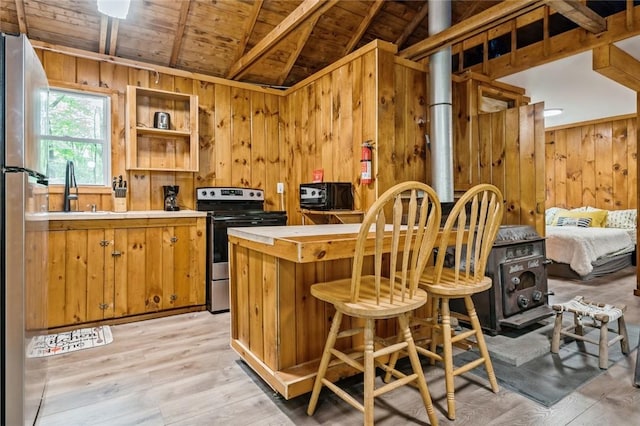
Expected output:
(69, 341)
(550, 377)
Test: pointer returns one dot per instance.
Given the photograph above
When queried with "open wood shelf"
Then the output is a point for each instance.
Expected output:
(149, 148)
(152, 131)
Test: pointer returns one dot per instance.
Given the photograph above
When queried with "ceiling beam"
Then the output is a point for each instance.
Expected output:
(22, 18)
(502, 12)
(618, 65)
(108, 35)
(311, 21)
(290, 23)
(177, 41)
(104, 29)
(113, 36)
(250, 24)
(580, 14)
(364, 24)
(301, 40)
(422, 13)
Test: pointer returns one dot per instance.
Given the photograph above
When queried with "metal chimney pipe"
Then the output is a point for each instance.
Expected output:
(440, 110)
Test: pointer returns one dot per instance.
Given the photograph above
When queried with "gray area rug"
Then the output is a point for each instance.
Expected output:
(547, 377)
(516, 347)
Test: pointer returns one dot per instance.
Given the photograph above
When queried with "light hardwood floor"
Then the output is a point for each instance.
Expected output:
(180, 371)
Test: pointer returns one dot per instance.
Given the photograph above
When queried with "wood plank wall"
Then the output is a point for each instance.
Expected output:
(257, 138)
(505, 148)
(593, 164)
(332, 116)
(238, 134)
(509, 155)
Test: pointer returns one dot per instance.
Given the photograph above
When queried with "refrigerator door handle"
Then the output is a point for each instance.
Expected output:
(40, 178)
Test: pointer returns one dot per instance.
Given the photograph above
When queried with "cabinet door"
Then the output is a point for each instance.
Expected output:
(99, 302)
(130, 263)
(76, 277)
(56, 290)
(183, 257)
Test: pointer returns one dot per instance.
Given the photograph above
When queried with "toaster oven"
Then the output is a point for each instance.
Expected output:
(326, 196)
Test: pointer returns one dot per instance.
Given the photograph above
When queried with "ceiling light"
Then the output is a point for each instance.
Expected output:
(552, 111)
(114, 8)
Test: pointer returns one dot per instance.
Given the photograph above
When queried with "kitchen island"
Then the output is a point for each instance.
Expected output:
(277, 327)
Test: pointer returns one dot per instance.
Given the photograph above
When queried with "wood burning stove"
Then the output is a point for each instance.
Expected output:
(519, 295)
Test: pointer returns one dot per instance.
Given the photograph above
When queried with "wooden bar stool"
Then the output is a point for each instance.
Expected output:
(404, 224)
(471, 230)
(601, 315)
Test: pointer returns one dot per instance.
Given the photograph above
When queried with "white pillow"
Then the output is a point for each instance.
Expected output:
(625, 219)
(550, 214)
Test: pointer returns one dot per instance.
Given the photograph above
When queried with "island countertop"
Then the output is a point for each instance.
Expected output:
(299, 243)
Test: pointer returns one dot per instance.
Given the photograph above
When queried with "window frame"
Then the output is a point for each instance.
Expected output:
(111, 120)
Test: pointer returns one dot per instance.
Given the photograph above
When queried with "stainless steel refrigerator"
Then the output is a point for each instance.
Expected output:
(23, 89)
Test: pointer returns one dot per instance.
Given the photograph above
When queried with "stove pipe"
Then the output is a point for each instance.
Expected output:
(440, 109)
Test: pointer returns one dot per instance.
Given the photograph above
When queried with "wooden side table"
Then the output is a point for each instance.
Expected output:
(323, 217)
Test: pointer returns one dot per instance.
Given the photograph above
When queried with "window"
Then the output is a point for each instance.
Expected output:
(76, 127)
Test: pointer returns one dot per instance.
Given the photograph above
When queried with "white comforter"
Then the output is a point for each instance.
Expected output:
(578, 247)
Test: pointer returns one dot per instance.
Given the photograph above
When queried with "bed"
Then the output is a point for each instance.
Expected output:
(587, 243)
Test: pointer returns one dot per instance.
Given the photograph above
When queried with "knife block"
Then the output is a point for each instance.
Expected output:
(119, 204)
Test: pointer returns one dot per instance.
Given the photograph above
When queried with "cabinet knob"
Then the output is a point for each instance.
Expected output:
(174, 239)
(116, 253)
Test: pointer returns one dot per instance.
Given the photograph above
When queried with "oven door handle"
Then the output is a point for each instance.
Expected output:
(245, 223)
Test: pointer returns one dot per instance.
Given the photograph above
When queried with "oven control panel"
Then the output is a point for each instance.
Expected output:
(219, 193)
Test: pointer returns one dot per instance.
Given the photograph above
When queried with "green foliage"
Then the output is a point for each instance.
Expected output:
(76, 115)
(74, 128)
(87, 160)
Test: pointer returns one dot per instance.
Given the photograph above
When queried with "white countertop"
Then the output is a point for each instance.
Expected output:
(106, 215)
(268, 234)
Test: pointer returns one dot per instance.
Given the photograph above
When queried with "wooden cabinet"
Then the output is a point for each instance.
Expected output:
(102, 270)
(150, 148)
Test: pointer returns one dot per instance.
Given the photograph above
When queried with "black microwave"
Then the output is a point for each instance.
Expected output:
(326, 196)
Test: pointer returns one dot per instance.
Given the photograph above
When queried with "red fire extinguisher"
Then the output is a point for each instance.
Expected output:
(365, 164)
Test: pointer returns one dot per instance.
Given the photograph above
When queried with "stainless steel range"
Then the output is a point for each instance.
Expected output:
(519, 295)
(229, 207)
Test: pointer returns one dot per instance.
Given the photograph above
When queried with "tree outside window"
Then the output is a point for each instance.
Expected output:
(75, 126)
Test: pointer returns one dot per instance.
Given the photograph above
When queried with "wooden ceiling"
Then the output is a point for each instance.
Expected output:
(268, 42)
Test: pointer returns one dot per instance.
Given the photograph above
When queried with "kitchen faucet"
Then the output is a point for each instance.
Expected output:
(70, 182)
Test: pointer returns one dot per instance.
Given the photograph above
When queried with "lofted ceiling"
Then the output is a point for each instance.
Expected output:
(279, 43)
(268, 42)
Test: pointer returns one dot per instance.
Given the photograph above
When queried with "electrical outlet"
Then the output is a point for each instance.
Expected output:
(280, 188)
